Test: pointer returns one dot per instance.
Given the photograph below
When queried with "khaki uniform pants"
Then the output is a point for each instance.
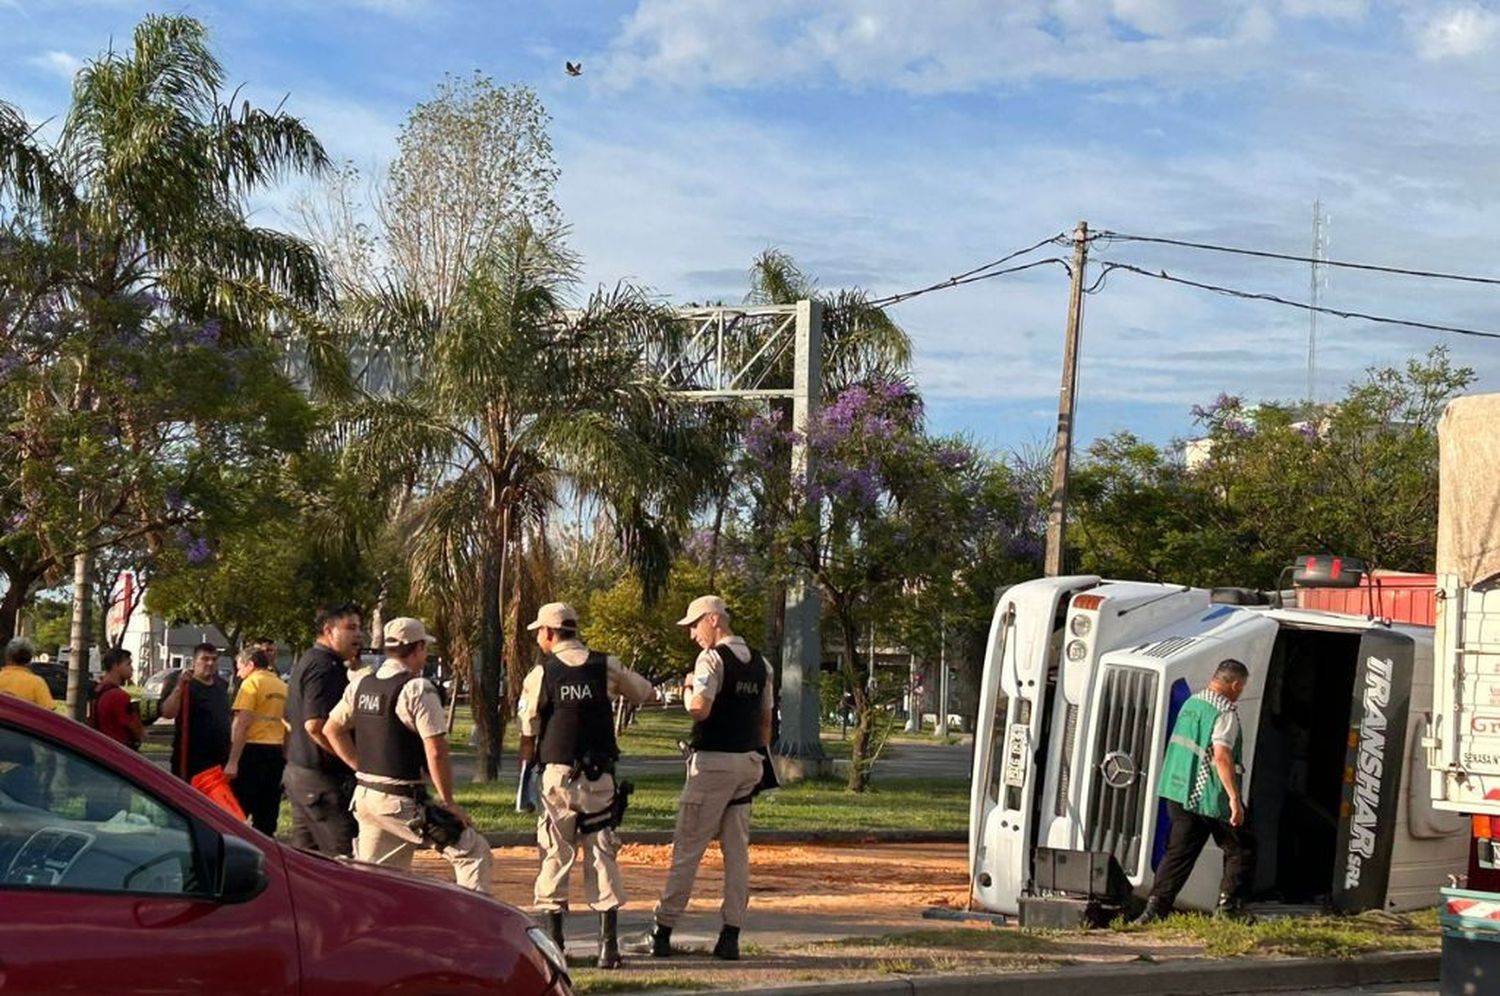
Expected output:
(713, 779)
(386, 838)
(563, 800)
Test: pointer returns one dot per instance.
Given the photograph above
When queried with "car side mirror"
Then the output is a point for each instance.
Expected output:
(242, 871)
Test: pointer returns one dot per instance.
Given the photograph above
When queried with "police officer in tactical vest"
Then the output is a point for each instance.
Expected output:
(1201, 782)
(390, 727)
(567, 725)
(729, 695)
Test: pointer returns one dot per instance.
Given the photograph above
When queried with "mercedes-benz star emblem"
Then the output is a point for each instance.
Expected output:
(1118, 769)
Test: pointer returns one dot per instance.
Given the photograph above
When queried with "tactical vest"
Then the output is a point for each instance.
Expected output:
(1188, 775)
(573, 707)
(733, 722)
(386, 746)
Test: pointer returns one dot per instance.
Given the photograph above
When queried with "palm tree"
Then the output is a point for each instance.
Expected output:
(143, 199)
(514, 403)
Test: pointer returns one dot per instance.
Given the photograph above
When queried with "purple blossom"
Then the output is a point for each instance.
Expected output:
(954, 457)
(9, 362)
(199, 551)
(1238, 428)
(1027, 548)
(1309, 431)
(208, 335)
(175, 499)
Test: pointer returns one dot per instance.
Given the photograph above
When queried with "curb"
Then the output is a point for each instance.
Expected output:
(1175, 978)
(515, 838)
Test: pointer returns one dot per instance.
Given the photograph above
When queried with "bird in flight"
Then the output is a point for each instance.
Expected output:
(574, 68)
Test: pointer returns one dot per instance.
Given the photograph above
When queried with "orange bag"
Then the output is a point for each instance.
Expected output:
(212, 783)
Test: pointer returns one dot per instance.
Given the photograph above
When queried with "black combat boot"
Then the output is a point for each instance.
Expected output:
(609, 939)
(728, 947)
(656, 942)
(1232, 908)
(661, 941)
(1155, 910)
(555, 926)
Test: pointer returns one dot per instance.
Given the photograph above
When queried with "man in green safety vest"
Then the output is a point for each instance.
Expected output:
(1200, 781)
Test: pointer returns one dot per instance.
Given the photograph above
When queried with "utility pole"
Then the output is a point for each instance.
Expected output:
(1319, 253)
(1062, 450)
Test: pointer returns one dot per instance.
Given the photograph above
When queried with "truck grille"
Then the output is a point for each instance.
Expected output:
(1116, 813)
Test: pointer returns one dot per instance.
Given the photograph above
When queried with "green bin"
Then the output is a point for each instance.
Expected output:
(1471, 943)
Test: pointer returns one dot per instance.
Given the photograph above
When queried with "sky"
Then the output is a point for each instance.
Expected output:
(888, 144)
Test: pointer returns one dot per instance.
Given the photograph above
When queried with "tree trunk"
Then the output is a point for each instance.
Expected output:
(78, 666)
(485, 691)
(18, 587)
(859, 747)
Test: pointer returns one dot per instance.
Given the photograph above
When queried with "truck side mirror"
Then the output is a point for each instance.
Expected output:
(1328, 572)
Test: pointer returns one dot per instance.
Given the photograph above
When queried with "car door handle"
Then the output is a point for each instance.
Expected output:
(158, 913)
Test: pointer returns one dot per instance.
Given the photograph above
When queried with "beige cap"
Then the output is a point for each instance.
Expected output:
(406, 630)
(555, 615)
(702, 606)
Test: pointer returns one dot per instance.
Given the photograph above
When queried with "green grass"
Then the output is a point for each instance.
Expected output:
(958, 939)
(594, 981)
(889, 804)
(1309, 937)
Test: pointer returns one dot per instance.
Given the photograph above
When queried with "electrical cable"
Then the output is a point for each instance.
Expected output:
(959, 281)
(968, 276)
(1110, 266)
(1106, 236)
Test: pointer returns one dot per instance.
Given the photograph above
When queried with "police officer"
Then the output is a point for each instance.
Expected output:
(567, 724)
(389, 727)
(1201, 782)
(729, 695)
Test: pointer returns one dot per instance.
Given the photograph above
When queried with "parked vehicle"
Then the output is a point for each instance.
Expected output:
(55, 675)
(175, 896)
(1463, 735)
(1082, 684)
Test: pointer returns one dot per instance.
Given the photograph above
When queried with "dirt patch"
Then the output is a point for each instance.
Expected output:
(817, 913)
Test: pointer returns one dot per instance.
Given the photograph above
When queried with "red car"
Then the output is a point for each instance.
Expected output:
(117, 878)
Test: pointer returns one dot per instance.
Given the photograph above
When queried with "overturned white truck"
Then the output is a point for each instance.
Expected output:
(1082, 683)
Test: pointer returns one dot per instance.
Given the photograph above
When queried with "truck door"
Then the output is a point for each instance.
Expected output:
(1373, 768)
(1010, 736)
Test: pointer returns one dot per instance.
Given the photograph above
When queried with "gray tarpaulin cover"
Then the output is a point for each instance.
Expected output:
(1469, 489)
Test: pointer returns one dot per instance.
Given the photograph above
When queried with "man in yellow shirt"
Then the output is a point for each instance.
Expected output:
(256, 757)
(17, 678)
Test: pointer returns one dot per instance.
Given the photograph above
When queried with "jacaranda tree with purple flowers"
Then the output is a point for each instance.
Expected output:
(142, 351)
(899, 515)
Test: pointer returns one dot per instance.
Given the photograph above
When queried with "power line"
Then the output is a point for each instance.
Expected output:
(886, 302)
(1291, 258)
(977, 273)
(1109, 267)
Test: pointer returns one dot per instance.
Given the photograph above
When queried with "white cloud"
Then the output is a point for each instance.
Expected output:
(1329, 10)
(940, 46)
(59, 63)
(1458, 32)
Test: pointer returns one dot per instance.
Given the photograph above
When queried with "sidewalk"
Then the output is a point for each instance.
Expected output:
(849, 918)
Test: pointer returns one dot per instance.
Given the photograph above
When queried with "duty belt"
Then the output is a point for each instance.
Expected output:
(407, 790)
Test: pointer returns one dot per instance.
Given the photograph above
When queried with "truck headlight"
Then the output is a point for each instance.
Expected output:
(1080, 625)
(549, 950)
(1077, 650)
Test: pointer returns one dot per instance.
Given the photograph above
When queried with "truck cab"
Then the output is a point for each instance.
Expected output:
(1082, 683)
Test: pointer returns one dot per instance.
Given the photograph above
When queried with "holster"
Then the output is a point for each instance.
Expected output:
(438, 827)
